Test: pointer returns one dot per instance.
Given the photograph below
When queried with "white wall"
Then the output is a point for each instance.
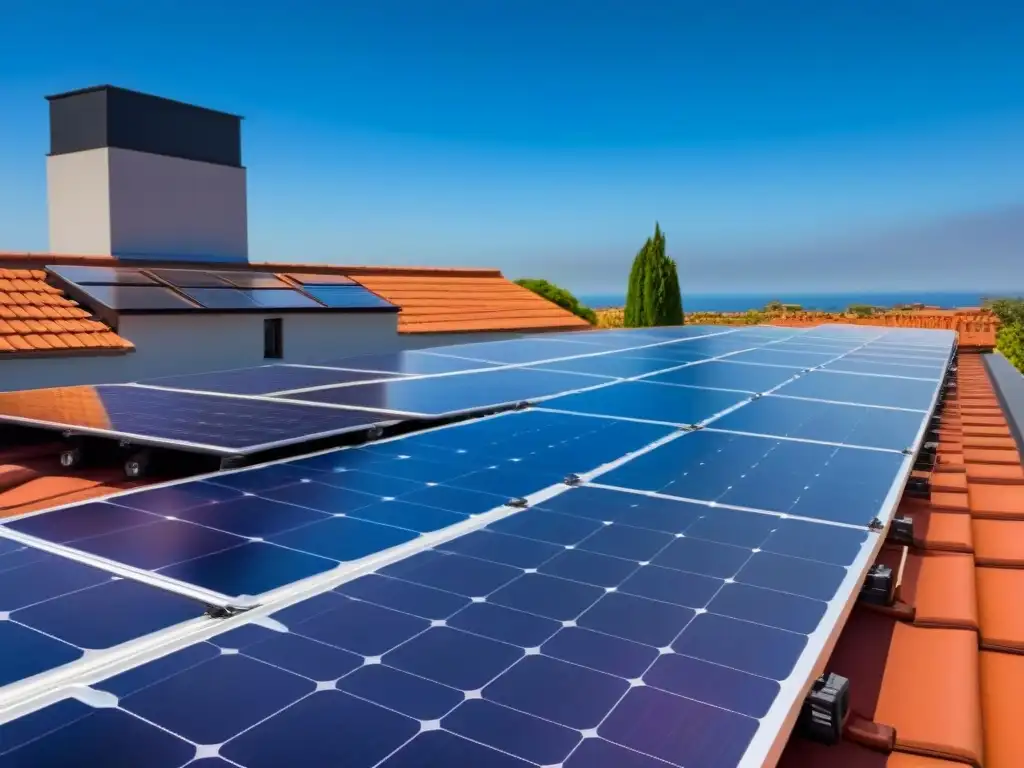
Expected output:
(122, 202)
(78, 196)
(174, 344)
(166, 206)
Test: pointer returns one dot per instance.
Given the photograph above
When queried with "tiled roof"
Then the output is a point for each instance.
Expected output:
(431, 300)
(936, 680)
(976, 328)
(36, 318)
(444, 302)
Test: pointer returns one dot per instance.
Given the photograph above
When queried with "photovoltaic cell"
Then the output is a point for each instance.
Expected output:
(101, 275)
(245, 533)
(453, 658)
(873, 366)
(218, 424)
(770, 356)
(451, 394)
(822, 482)
(613, 366)
(850, 388)
(264, 379)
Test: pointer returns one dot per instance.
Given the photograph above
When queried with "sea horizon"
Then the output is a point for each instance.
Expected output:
(826, 302)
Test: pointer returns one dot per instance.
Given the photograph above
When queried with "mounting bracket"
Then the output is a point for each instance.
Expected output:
(878, 586)
(826, 709)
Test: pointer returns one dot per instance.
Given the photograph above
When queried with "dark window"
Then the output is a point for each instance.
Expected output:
(273, 338)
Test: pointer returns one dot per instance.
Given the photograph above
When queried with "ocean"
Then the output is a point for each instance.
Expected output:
(828, 302)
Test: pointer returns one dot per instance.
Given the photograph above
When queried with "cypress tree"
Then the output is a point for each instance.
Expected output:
(653, 296)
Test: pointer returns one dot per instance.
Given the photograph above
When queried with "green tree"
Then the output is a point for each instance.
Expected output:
(559, 296)
(1010, 337)
(861, 310)
(653, 296)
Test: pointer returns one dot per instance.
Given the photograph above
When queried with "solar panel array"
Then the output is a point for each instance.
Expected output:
(129, 289)
(641, 573)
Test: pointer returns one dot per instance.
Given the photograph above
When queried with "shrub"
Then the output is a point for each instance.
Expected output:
(861, 310)
(1010, 337)
(559, 296)
(653, 296)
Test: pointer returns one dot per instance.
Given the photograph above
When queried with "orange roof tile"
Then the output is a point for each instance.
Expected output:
(34, 318)
(447, 303)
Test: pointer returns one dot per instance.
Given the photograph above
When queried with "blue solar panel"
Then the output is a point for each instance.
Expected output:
(822, 482)
(655, 402)
(347, 297)
(206, 422)
(264, 379)
(245, 533)
(726, 375)
(619, 365)
(851, 388)
(852, 364)
(771, 356)
(452, 394)
(454, 656)
(518, 351)
(830, 422)
(56, 609)
(409, 363)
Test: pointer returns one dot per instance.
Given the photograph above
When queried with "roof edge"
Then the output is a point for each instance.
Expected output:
(37, 260)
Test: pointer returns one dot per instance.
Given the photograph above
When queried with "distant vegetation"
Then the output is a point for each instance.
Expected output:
(860, 310)
(559, 296)
(653, 297)
(1010, 337)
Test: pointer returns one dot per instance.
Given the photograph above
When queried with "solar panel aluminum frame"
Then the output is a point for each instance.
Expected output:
(213, 450)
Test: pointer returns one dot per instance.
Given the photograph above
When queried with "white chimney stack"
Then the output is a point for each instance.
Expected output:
(137, 176)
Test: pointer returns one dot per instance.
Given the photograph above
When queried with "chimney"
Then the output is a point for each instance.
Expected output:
(136, 176)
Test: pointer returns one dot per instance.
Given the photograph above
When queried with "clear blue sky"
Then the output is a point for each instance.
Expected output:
(786, 145)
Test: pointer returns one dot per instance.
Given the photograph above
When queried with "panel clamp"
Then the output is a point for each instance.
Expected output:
(878, 586)
(901, 530)
(517, 503)
(572, 480)
(222, 611)
(826, 709)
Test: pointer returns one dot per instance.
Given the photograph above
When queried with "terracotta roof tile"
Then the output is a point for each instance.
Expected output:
(998, 501)
(998, 543)
(33, 314)
(922, 681)
(1002, 680)
(1000, 593)
(447, 303)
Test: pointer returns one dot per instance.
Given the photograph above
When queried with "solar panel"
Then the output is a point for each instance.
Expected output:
(515, 351)
(410, 362)
(654, 402)
(101, 275)
(242, 534)
(55, 610)
(449, 395)
(794, 359)
(282, 299)
(190, 278)
(261, 298)
(136, 298)
(346, 297)
(252, 279)
(723, 374)
(699, 575)
(889, 391)
(850, 364)
(195, 421)
(310, 279)
(264, 379)
(614, 366)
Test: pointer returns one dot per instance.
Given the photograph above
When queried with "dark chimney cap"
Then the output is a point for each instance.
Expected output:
(100, 88)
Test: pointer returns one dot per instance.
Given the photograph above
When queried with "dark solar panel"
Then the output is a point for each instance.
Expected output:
(252, 279)
(136, 298)
(282, 299)
(190, 278)
(850, 388)
(260, 298)
(310, 279)
(188, 419)
(101, 275)
(346, 296)
(655, 402)
(220, 298)
(408, 362)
